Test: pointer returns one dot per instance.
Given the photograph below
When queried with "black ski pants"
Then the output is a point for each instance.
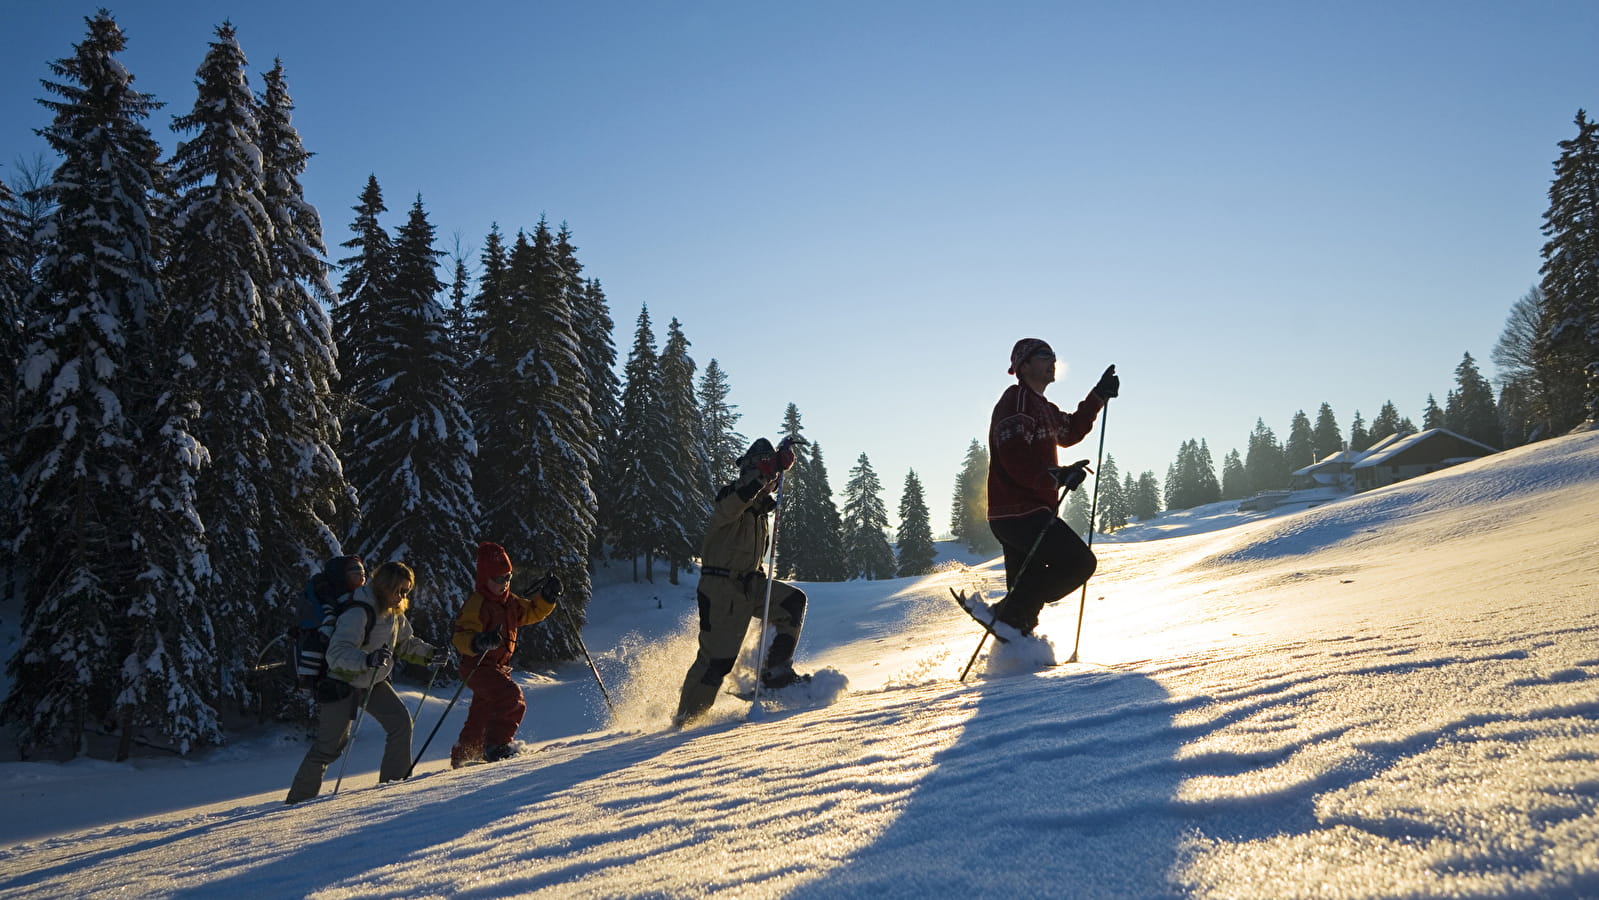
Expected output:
(1061, 564)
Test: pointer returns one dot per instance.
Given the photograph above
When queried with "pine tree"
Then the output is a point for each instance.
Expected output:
(811, 541)
(1146, 497)
(689, 469)
(916, 549)
(1527, 386)
(557, 456)
(1265, 463)
(1432, 416)
(1077, 513)
(1386, 423)
(812, 525)
(304, 485)
(1359, 439)
(1113, 501)
(1470, 410)
(219, 275)
(113, 625)
(969, 505)
(1234, 481)
(1300, 450)
(1191, 480)
(367, 277)
(1326, 439)
(592, 317)
(641, 458)
(413, 469)
(866, 549)
(1569, 351)
(16, 265)
(596, 353)
(723, 444)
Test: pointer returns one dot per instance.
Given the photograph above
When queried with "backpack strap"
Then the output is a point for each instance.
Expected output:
(371, 615)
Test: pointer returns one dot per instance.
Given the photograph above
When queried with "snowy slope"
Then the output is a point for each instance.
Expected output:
(1391, 695)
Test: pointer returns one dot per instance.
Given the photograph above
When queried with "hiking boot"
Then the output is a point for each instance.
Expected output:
(781, 677)
(497, 752)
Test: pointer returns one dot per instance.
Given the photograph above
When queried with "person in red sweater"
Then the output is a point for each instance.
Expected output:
(1024, 480)
(485, 638)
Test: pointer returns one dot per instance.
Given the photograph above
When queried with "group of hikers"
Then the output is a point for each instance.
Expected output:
(1044, 561)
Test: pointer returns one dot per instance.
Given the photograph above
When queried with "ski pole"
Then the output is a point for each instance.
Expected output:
(1093, 510)
(766, 608)
(353, 732)
(1013, 582)
(449, 706)
(592, 668)
(425, 691)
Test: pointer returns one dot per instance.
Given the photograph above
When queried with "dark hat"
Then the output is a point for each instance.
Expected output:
(1026, 349)
(759, 450)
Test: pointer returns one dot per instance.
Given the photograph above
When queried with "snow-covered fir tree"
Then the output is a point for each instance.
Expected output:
(1568, 353)
(596, 351)
(413, 466)
(688, 475)
(719, 421)
(867, 553)
(458, 313)
(640, 459)
(367, 276)
(591, 313)
(1470, 410)
(218, 277)
(16, 282)
(811, 545)
(969, 504)
(915, 539)
(556, 457)
(114, 629)
(311, 501)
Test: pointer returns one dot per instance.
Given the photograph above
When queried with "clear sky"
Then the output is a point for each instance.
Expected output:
(1250, 208)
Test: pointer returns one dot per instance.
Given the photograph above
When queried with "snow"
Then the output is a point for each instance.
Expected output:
(1391, 694)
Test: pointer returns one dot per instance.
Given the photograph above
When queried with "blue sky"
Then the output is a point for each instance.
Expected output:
(1249, 208)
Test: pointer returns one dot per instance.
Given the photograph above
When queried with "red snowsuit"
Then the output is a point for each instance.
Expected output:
(497, 704)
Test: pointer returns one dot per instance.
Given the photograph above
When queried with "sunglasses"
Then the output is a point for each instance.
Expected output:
(503, 579)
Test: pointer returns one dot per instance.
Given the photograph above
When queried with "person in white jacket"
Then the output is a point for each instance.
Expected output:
(370, 631)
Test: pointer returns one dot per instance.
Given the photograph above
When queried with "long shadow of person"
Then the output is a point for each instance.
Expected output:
(1060, 785)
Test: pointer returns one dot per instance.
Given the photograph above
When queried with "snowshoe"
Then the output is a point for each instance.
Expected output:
(497, 752)
(983, 614)
(782, 677)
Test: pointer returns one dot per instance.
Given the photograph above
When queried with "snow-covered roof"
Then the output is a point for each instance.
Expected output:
(1389, 450)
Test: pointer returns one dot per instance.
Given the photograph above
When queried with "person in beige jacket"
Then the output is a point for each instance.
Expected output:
(733, 584)
(370, 632)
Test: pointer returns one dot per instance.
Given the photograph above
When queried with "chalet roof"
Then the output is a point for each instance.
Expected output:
(1387, 450)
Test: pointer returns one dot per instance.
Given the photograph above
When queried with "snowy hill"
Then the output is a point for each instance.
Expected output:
(1393, 694)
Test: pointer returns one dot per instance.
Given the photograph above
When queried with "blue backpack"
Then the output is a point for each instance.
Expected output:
(321, 604)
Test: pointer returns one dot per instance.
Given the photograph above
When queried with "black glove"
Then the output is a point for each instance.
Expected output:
(1109, 384)
(378, 658)
(1069, 477)
(550, 590)
(441, 657)
(487, 640)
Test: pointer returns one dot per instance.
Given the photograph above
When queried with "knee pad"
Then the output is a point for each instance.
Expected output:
(794, 605)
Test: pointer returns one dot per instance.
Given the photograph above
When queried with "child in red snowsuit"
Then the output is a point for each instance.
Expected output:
(485, 638)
